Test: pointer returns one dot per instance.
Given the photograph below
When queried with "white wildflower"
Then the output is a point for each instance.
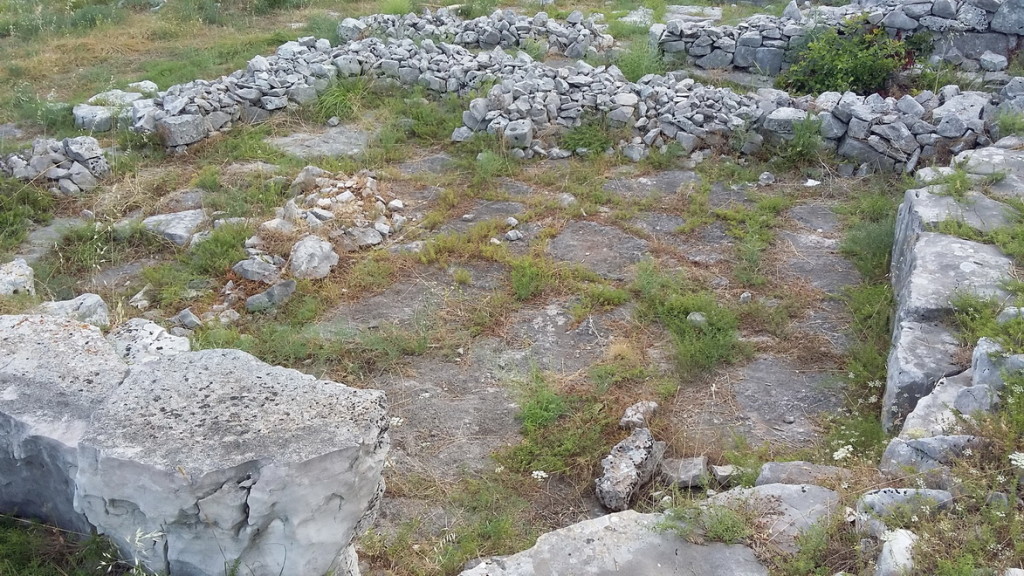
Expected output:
(842, 453)
(539, 475)
(1017, 459)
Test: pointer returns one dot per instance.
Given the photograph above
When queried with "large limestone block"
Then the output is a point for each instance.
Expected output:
(927, 272)
(789, 509)
(232, 459)
(88, 308)
(928, 207)
(921, 354)
(1007, 166)
(178, 227)
(622, 543)
(54, 373)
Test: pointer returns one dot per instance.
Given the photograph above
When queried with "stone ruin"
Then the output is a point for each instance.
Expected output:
(82, 411)
(530, 98)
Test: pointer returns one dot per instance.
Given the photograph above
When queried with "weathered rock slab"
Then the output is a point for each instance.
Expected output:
(54, 374)
(622, 543)
(606, 250)
(229, 457)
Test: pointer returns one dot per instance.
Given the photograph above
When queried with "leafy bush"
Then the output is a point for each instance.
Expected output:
(640, 60)
(855, 57)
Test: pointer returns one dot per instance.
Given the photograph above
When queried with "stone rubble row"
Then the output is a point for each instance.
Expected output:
(529, 97)
(67, 167)
(972, 34)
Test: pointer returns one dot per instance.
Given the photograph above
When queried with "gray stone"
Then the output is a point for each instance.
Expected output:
(790, 509)
(340, 140)
(831, 127)
(898, 135)
(312, 257)
(792, 12)
(798, 472)
(896, 557)
(921, 355)
(461, 134)
(138, 340)
(519, 133)
(639, 415)
(256, 269)
(244, 460)
(181, 130)
(929, 269)
(862, 152)
(81, 177)
(274, 296)
(993, 62)
(82, 149)
(899, 20)
(781, 120)
(716, 59)
(1009, 19)
(685, 472)
(93, 118)
(178, 227)
(926, 208)
(630, 465)
(88, 308)
(187, 319)
(966, 106)
(951, 127)
(350, 29)
(945, 8)
(768, 61)
(604, 249)
(908, 105)
(622, 543)
(16, 277)
(365, 237)
(55, 374)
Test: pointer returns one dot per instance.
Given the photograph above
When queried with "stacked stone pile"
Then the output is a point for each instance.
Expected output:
(576, 37)
(213, 454)
(68, 166)
(531, 97)
(973, 34)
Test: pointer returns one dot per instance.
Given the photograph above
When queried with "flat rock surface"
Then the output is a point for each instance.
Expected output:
(332, 142)
(448, 418)
(42, 239)
(208, 409)
(482, 211)
(652, 186)
(622, 543)
(784, 510)
(606, 250)
(771, 390)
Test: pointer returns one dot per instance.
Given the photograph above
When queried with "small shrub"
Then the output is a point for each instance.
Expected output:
(856, 57)
(669, 301)
(475, 8)
(529, 278)
(640, 59)
(869, 246)
(1010, 123)
(345, 99)
(398, 7)
(592, 134)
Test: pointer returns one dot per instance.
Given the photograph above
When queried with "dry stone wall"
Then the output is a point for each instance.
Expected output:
(977, 35)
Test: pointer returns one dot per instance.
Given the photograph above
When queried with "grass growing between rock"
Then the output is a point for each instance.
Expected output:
(704, 333)
(30, 549)
(20, 206)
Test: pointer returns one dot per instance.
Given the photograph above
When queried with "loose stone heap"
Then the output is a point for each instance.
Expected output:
(973, 34)
(575, 38)
(213, 455)
(69, 166)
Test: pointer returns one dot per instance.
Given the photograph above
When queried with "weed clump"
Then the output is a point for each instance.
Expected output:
(704, 333)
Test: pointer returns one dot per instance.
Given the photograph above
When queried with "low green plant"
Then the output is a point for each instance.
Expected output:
(804, 148)
(398, 7)
(856, 56)
(640, 59)
(345, 99)
(592, 134)
(32, 549)
(1010, 123)
(669, 300)
(476, 8)
(529, 278)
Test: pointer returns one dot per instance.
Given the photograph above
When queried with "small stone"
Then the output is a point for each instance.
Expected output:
(187, 319)
(16, 277)
(766, 178)
(697, 319)
(513, 235)
(638, 415)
